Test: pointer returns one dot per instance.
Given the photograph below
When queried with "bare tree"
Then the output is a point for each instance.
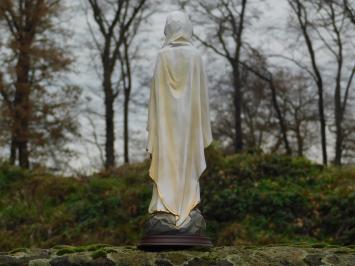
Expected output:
(298, 102)
(115, 20)
(329, 23)
(333, 21)
(301, 14)
(261, 70)
(229, 21)
(259, 119)
(349, 8)
(127, 54)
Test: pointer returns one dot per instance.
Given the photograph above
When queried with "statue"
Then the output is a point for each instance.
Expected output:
(178, 131)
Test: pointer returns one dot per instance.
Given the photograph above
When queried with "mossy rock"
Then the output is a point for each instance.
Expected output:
(98, 254)
(217, 256)
(69, 250)
(61, 246)
(16, 250)
(93, 247)
(39, 262)
(111, 250)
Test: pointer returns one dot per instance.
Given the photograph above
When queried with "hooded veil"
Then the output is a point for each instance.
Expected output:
(178, 122)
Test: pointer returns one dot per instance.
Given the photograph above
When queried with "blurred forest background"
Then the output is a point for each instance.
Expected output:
(74, 88)
(75, 77)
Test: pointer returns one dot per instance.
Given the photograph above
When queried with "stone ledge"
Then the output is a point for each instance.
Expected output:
(107, 255)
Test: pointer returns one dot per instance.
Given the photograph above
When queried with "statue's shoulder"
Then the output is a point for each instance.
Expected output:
(190, 49)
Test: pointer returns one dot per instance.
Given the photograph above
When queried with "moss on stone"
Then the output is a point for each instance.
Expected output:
(177, 257)
(61, 246)
(343, 251)
(18, 250)
(98, 254)
(39, 262)
(111, 250)
(218, 256)
(69, 250)
(250, 247)
(93, 247)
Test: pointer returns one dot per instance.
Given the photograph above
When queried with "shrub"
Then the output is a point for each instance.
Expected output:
(251, 198)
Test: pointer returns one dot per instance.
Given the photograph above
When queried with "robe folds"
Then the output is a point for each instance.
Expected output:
(178, 128)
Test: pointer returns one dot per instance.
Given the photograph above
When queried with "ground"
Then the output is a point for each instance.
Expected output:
(101, 254)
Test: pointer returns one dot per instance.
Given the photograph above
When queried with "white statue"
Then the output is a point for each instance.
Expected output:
(178, 122)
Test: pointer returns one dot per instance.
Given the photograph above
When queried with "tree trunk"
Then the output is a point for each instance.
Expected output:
(13, 151)
(126, 133)
(339, 129)
(320, 95)
(280, 118)
(22, 107)
(299, 137)
(337, 93)
(322, 123)
(23, 154)
(109, 119)
(126, 64)
(237, 95)
(238, 143)
(302, 12)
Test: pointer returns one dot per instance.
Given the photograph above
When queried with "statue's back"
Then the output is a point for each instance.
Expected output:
(178, 123)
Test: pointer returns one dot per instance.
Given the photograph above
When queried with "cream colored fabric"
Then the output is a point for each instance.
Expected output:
(178, 122)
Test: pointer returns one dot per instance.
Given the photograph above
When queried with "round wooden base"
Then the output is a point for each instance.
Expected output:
(153, 242)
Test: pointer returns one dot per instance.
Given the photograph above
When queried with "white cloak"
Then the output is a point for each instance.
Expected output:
(178, 122)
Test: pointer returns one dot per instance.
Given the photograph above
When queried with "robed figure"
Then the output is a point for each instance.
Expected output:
(178, 122)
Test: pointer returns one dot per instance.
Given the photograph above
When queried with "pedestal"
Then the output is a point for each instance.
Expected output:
(160, 232)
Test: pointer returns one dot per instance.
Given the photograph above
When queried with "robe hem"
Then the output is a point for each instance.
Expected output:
(163, 201)
(160, 196)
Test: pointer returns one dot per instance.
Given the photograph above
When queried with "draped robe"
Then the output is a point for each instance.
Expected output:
(178, 127)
